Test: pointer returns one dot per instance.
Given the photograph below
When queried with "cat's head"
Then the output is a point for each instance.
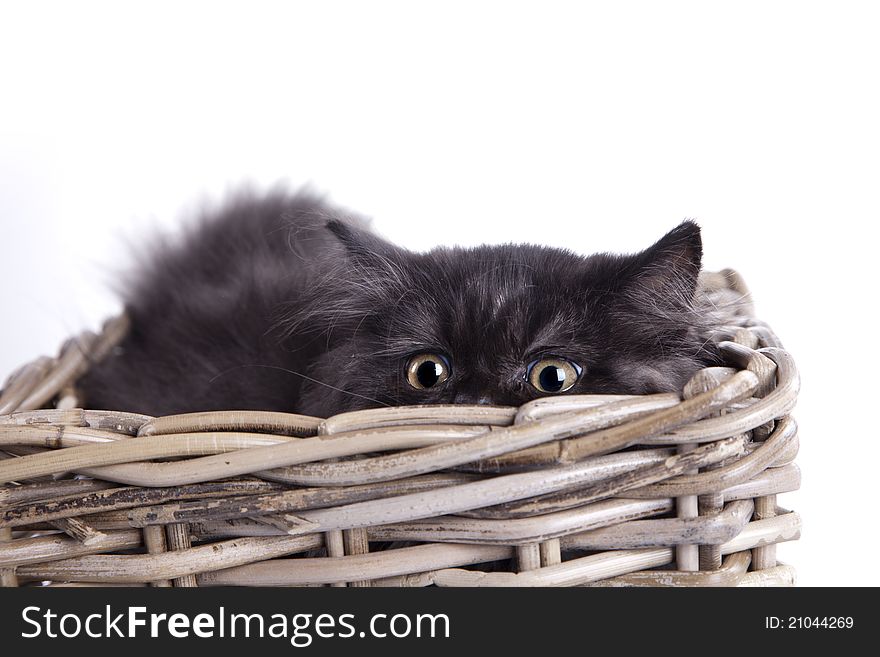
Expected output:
(502, 324)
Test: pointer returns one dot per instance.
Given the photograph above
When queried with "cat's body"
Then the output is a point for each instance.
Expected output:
(278, 302)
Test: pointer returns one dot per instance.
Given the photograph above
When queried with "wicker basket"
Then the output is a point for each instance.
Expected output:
(653, 490)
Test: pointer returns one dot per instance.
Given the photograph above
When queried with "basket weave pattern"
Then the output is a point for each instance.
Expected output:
(611, 490)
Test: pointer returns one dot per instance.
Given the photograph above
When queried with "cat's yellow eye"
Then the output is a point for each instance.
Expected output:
(552, 374)
(427, 370)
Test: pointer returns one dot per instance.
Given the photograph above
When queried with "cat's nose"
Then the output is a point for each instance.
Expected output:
(472, 398)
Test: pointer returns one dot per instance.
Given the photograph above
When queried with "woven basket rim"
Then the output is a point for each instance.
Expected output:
(577, 489)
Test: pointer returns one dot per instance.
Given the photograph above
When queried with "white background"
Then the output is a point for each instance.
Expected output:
(592, 126)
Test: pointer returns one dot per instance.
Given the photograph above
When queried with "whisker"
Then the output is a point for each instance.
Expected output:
(304, 376)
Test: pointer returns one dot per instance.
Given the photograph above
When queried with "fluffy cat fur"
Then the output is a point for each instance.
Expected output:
(281, 302)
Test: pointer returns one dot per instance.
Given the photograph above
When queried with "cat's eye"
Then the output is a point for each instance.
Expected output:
(552, 374)
(427, 370)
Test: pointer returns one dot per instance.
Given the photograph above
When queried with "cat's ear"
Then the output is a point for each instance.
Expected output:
(367, 251)
(670, 267)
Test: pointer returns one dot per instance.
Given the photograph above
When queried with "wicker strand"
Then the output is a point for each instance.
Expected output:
(551, 553)
(690, 557)
(178, 539)
(528, 556)
(7, 575)
(79, 530)
(710, 506)
(765, 556)
(356, 542)
(154, 540)
(335, 548)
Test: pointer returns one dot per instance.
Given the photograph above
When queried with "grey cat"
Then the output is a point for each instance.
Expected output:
(282, 302)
